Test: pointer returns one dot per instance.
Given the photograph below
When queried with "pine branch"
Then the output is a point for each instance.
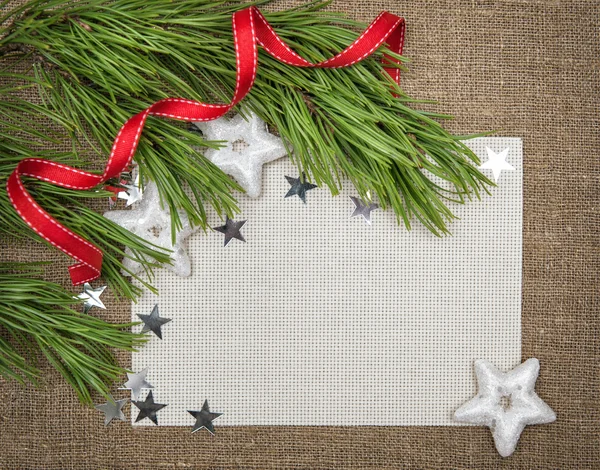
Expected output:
(23, 135)
(37, 316)
(102, 61)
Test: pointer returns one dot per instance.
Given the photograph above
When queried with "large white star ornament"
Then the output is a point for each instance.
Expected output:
(506, 403)
(248, 147)
(497, 162)
(153, 223)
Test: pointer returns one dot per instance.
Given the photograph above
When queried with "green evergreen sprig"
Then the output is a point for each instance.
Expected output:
(23, 135)
(102, 61)
(36, 317)
(98, 62)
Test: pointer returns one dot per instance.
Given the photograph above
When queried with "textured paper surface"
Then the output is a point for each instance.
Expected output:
(321, 319)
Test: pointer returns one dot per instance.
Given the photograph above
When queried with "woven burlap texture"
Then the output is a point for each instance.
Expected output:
(525, 68)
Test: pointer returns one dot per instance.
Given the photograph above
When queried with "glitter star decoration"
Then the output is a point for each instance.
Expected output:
(363, 210)
(136, 382)
(112, 409)
(299, 187)
(496, 162)
(153, 322)
(204, 419)
(91, 297)
(231, 230)
(148, 409)
(506, 403)
(248, 147)
(153, 223)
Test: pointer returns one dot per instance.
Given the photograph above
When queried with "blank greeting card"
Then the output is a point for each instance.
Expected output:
(320, 318)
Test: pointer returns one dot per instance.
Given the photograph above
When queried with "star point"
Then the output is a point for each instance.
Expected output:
(133, 192)
(299, 187)
(496, 162)
(204, 418)
(506, 403)
(248, 147)
(153, 322)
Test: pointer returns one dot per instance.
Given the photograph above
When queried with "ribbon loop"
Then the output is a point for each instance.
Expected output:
(250, 28)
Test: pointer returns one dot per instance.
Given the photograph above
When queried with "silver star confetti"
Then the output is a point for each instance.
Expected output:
(231, 230)
(136, 382)
(204, 419)
(112, 409)
(153, 223)
(91, 297)
(299, 187)
(248, 147)
(362, 209)
(148, 409)
(153, 322)
(506, 403)
(134, 191)
(497, 162)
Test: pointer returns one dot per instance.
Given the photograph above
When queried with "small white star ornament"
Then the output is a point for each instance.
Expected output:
(497, 162)
(153, 223)
(506, 403)
(248, 147)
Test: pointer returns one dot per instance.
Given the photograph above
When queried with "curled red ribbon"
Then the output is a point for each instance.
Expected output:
(250, 28)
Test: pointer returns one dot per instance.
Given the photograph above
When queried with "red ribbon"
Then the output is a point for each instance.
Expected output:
(249, 29)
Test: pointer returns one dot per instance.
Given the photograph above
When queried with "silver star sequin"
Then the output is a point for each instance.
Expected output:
(204, 419)
(362, 209)
(112, 409)
(153, 322)
(132, 194)
(91, 297)
(231, 230)
(148, 409)
(299, 187)
(136, 382)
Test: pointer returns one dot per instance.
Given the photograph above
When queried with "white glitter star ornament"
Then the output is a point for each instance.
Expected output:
(153, 223)
(506, 403)
(497, 162)
(248, 147)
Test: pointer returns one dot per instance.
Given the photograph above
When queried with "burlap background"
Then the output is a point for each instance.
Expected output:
(527, 68)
